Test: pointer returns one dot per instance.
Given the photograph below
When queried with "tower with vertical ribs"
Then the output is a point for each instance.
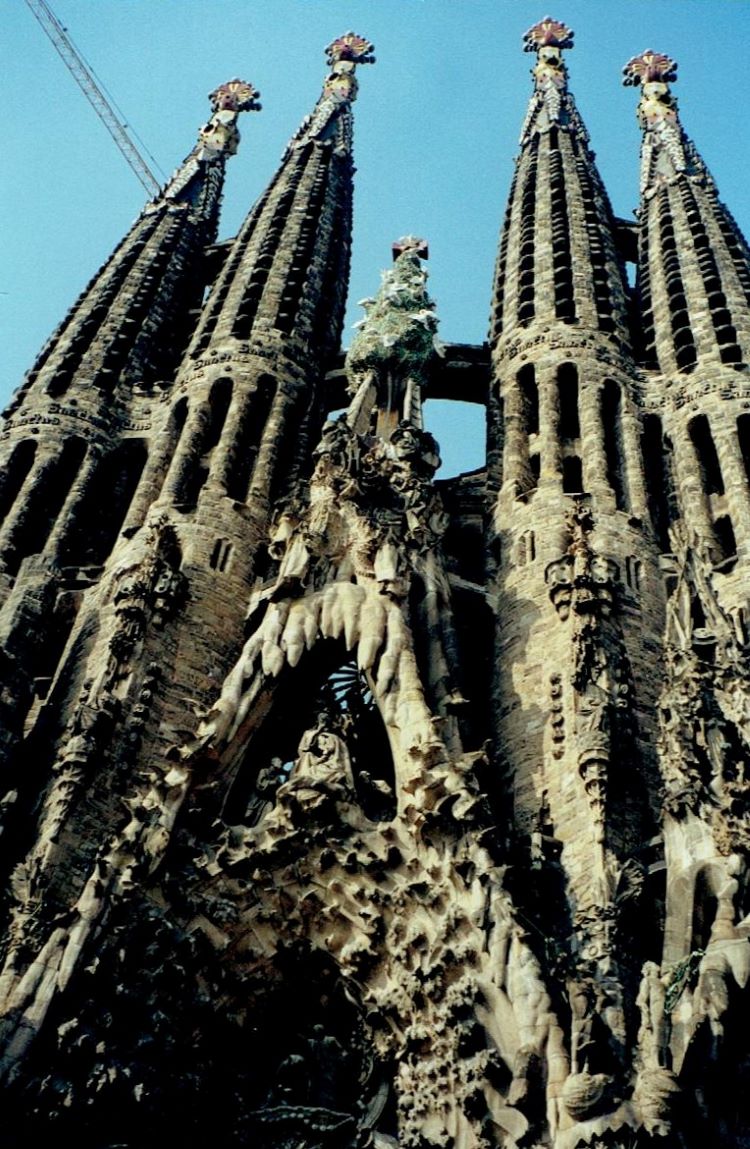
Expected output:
(347, 807)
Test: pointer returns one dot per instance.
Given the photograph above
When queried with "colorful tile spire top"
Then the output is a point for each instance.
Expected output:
(648, 68)
(548, 33)
(235, 96)
(220, 135)
(548, 38)
(664, 151)
(343, 56)
(352, 48)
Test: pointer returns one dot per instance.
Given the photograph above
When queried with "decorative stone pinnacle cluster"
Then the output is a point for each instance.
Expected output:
(548, 33)
(548, 38)
(652, 72)
(649, 67)
(235, 96)
(220, 135)
(343, 55)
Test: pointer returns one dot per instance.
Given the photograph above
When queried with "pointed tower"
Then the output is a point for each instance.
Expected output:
(160, 621)
(273, 320)
(693, 281)
(90, 415)
(560, 287)
(558, 215)
(130, 322)
(694, 287)
(578, 593)
(90, 386)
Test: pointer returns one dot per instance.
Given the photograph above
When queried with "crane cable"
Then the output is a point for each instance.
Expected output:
(92, 90)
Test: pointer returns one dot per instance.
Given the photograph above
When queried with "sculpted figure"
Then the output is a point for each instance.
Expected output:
(315, 1074)
(320, 787)
(582, 998)
(323, 761)
(712, 993)
(266, 784)
(651, 1003)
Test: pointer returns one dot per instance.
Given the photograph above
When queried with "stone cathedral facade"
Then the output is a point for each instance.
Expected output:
(344, 807)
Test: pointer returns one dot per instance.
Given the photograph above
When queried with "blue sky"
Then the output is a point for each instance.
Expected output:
(437, 124)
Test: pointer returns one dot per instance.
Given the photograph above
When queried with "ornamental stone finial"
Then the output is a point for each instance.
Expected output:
(548, 38)
(235, 96)
(343, 55)
(411, 243)
(220, 135)
(340, 87)
(648, 68)
(664, 141)
(548, 33)
(350, 48)
(652, 72)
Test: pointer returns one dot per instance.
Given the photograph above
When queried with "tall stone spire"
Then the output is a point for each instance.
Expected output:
(85, 420)
(558, 215)
(130, 322)
(253, 371)
(285, 276)
(570, 514)
(560, 329)
(694, 266)
(694, 294)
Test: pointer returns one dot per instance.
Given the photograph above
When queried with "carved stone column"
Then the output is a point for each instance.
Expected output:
(185, 456)
(23, 506)
(224, 457)
(76, 496)
(150, 482)
(276, 428)
(592, 441)
(693, 500)
(516, 447)
(735, 482)
(550, 450)
(633, 455)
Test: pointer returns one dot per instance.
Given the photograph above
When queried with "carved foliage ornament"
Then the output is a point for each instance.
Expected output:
(399, 329)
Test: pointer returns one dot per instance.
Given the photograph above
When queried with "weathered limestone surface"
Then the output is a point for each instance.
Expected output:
(343, 806)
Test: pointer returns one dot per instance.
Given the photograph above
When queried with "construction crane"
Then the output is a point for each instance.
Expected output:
(83, 76)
